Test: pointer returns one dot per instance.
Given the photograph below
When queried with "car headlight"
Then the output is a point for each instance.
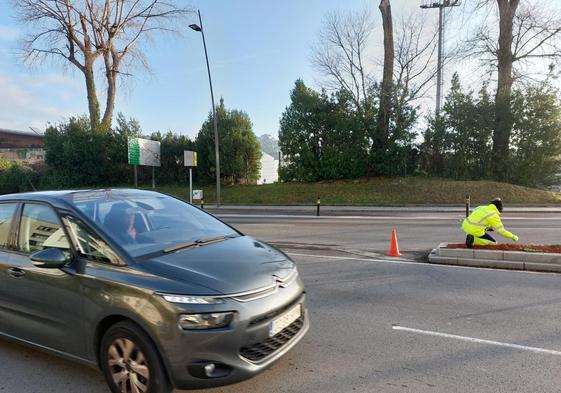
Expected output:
(205, 321)
(191, 299)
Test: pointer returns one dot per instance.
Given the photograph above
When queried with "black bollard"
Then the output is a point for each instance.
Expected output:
(467, 205)
(318, 204)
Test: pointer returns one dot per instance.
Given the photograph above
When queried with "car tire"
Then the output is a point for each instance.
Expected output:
(128, 357)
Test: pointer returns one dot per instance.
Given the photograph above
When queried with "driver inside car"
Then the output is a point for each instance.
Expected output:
(121, 222)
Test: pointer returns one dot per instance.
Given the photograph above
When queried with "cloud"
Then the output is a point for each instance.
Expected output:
(47, 81)
(8, 33)
(37, 100)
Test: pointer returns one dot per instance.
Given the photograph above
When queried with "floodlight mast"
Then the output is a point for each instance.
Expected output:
(441, 5)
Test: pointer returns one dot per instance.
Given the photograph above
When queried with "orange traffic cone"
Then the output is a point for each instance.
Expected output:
(394, 248)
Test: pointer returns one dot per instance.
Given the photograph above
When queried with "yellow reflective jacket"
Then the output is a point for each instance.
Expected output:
(482, 218)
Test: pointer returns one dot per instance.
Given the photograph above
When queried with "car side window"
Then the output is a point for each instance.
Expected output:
(40, 228)
(88, 244)
(7, 211)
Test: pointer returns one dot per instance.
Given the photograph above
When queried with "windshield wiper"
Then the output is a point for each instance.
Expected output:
(211, 240)
(196, 243)
(180, 247)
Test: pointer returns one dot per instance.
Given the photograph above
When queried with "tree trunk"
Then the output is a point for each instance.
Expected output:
(110, 102)
(387, 80)
(93, 103)
(503, 110)
(112, 63)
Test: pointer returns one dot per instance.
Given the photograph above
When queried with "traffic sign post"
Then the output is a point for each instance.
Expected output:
(190, 184)
(190, 160)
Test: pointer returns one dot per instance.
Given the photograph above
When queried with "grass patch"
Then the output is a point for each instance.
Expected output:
(374, 191)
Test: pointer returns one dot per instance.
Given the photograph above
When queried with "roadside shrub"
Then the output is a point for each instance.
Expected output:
(76, 153)
(17, 177)
(77, 156)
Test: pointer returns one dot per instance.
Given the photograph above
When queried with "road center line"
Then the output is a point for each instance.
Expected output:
(478, 340)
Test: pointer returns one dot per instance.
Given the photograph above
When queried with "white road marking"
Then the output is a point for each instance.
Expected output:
(411, 262)
(398, 261)
(379, 218)
(478, 340)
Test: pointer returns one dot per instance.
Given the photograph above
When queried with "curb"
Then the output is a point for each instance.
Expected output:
(338, 209)
(512, 260)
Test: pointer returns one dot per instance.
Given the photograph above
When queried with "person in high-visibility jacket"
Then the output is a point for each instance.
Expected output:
(483, 219)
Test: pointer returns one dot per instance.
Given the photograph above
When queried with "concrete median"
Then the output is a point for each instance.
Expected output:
(446, 254)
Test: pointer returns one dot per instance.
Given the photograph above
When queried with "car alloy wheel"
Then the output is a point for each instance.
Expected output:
(130, 361)
(128, 366)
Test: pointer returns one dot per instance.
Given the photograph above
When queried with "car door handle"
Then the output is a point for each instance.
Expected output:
(16, 272)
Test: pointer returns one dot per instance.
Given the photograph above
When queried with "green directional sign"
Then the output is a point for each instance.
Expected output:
(134, 151)
(144, 152)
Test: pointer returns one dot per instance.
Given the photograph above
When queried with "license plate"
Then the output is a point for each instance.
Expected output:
(285, 320)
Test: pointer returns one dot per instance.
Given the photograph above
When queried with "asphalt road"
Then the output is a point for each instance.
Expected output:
(417, 231)
(361, 311)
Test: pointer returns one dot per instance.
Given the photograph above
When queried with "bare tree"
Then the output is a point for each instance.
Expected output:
(384, 112)
(80, 32)
(536, 35)
(341, 51)
(341, 55)
(526, 33)
(415, 67)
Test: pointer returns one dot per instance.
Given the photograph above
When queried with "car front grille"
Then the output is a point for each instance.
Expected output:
(260, 351)
(273, 314)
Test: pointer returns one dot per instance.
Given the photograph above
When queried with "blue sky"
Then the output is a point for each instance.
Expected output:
(257, 50)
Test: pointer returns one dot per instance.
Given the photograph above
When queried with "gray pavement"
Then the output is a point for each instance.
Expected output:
(353, 345)
(356, 301)
(417, 232)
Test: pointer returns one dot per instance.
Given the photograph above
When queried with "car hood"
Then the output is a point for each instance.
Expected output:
(231, 266)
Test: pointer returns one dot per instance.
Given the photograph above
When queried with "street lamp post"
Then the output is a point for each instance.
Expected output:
(199, 28)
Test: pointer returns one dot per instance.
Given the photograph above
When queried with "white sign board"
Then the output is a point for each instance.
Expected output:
(197, 194)
(144, 152)
(189, 158)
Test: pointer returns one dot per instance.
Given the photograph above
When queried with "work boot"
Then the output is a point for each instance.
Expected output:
(469, 241)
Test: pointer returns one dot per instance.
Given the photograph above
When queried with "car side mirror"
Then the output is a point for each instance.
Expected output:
(49, 258)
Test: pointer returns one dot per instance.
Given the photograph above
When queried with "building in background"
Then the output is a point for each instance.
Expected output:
(269, 169)
(21, 146)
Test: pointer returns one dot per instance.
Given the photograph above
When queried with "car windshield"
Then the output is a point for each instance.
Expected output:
(144, 222)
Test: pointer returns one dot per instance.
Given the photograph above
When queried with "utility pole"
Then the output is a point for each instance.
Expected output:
(441, 5)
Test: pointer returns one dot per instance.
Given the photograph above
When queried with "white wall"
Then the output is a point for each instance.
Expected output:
(269, 169)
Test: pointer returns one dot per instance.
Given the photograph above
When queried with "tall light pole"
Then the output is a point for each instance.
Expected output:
(440, 4)
(199, 28)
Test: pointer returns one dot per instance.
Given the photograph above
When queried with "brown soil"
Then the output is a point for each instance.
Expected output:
(554, 248)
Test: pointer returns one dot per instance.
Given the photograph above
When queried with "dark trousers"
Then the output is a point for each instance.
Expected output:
(487, 237)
